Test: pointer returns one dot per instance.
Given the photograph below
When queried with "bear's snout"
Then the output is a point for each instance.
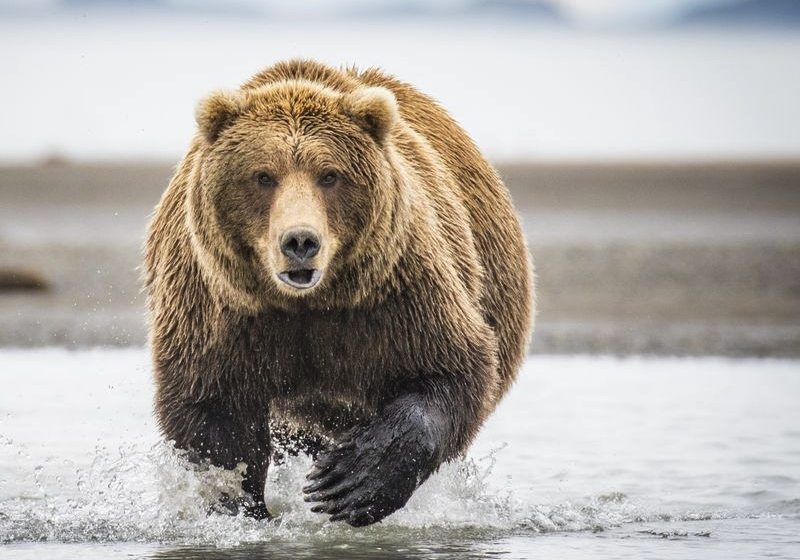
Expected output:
(300, 245)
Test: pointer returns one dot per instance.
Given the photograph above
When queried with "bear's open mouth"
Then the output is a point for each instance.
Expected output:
(303, 278)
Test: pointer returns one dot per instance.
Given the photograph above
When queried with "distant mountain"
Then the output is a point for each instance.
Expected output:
(745, 13)
(539, 11)
(116, 4)
(117, 7)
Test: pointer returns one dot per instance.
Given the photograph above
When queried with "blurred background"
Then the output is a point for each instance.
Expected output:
(652, 148)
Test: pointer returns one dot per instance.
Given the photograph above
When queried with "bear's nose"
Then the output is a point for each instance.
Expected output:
(299, 244)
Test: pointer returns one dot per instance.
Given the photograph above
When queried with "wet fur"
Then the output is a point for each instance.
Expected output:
(411, 339)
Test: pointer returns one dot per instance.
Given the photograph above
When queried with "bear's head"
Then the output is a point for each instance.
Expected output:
(297, 194)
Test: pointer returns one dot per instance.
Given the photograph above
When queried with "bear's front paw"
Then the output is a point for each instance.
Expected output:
(228, 505)
(372, 471)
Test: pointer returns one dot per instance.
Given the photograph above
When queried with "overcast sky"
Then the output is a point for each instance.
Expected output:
(583, 11)
(698, 94)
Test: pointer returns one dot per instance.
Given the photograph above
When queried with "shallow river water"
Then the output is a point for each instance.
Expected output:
(587, 457)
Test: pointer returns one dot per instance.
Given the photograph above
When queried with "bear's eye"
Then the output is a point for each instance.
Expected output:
(329, 179)
(265, 179)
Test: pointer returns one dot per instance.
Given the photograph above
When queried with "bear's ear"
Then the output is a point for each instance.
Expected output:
(373, 108)
(217, 112)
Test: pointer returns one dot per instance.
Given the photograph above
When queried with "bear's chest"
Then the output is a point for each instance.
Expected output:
(331, 355)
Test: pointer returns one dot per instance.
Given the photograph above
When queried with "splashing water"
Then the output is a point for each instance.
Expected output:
(157, 495)
(637, 451)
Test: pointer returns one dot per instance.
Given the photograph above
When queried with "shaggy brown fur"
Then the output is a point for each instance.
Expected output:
(393, 329)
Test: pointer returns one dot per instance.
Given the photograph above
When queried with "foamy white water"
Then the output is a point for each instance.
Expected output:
(588, 457)
(102, 87)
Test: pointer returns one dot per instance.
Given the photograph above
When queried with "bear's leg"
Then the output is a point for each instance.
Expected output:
(373, 470)
(212, 431)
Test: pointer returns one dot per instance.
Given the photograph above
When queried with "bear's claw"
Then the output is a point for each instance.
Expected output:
(374, 470)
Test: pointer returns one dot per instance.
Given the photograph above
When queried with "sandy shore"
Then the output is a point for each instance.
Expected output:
(662, 258)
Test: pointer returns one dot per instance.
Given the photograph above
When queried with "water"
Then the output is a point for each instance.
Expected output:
(127, 86)
(588, 457)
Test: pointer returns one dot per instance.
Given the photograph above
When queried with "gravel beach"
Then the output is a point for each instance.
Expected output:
(665, 259)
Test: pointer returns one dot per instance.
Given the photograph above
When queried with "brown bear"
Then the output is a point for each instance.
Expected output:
(334, 255)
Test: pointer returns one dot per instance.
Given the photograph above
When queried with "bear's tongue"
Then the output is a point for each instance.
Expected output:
(301, 277)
